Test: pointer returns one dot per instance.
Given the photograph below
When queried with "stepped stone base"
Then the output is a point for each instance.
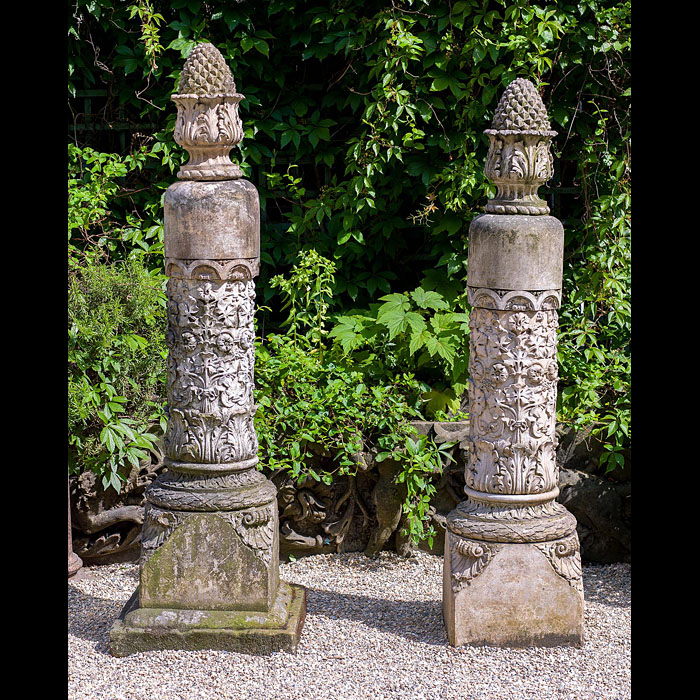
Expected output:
(508, 595)
(141, 629)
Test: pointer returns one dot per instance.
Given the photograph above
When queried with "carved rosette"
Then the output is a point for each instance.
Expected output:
(512, 396)
(511, 475)
(210, 442)
(519, 160)
(208, 125)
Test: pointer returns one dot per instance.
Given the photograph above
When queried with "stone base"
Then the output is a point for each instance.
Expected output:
(509, 595)
(75, 563)
(250, 632)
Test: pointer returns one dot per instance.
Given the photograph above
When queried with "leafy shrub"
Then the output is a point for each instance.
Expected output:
(116, 321)
(116, 366)
(595, 321)
(415, 330)
(313, 401)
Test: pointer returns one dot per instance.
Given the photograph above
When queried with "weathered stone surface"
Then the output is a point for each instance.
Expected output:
(519, 158)
(200, 219)
(141, 629)
(602, 510)
(450, 431)
(210, 542)
(515, 252)
(205, 72)
(512, 555)
(388, 497)
(208, 125)
(517, 599)
(107, 526)
(205, 565)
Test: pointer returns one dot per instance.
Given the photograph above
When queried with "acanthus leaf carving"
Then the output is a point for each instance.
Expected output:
(257, 528)
(565, 557)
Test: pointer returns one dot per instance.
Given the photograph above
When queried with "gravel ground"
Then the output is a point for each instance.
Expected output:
(373, 630)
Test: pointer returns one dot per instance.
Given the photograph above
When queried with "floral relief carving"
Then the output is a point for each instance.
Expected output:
(210, 371)
(512, 397)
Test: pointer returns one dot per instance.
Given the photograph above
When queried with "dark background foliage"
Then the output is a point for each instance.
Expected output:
(364, 136)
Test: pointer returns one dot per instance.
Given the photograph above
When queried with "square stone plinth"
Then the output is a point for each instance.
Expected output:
(251, 632)
(508, 595)
(206, 564)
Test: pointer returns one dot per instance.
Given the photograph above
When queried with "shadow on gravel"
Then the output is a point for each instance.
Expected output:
(91, 618)
(415, 620)
(607, 585)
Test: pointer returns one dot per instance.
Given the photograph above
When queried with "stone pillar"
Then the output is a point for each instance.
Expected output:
(512, 571)
(209, 567)
(75, 563)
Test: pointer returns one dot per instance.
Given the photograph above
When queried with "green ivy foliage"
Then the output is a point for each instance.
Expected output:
(116, 321)
(116, 367)
(364, 136)
(321, 414)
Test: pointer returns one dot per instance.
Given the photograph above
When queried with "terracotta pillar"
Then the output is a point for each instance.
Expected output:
(209, 569)
(512, 572)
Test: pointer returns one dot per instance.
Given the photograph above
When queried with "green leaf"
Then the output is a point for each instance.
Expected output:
(418, 341)
(428, 299)
(394, 319)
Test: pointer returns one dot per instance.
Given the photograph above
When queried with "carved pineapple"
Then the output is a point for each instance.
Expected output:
(519, 160)
(208, 125)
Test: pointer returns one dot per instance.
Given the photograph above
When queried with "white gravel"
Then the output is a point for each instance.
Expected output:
(373, 630)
